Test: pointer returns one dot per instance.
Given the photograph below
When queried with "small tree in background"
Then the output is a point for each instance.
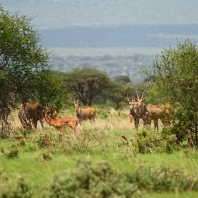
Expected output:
(117, 93)
(176, 81)
(122, 79)
(86, 83)
(121, 86)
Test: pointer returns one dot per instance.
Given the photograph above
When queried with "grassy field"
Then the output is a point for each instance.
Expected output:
(100, 141)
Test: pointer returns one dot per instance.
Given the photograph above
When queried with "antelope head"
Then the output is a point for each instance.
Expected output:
(76, 103)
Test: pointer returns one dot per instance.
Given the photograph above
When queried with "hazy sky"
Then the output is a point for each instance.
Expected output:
(59, 13)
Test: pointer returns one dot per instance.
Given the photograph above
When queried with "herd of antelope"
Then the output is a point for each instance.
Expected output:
(30, 113)
(149, 112)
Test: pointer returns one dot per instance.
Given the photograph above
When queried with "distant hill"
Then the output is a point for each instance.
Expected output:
(104, 23)
(122, 36)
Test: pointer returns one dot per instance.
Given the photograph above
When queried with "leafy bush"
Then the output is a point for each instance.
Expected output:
(46, 155)
(164, 179)
(11, 152)
(153, 141)
(14, 189)
(182, 135)
(93, 180)
(47, 139)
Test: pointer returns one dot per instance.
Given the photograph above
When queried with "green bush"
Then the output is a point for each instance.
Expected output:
(164, 179)
(11, 152)
(45, 155)
(14, 189)
(150, 141)
(47, 139)
(89, 180)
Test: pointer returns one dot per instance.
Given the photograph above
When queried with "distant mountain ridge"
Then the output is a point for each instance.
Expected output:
(122, 36)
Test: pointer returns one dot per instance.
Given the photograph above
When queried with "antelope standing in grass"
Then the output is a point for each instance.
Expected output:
(60, 123)
(84, 114)
(151, 112)
(136, 111)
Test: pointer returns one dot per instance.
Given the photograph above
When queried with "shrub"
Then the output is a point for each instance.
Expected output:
(164, 179)
(154, 141)
(14, 189)
(93, 180)
(45, 156)
(11, 152)
(47, 139)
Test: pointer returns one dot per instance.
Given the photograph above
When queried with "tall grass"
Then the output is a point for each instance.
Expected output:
(44, 153)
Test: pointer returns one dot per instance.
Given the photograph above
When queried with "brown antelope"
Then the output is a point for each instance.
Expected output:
(60, 123)
(130, 103)
(84, 114)
(136, 111)
(30, 112)
(152, 112)
(164, 112)
(130, 118)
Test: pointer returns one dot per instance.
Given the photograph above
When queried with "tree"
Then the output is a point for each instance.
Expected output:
(117, 93)
(176, 81)
(86, 83)
(50, 89)
(24, 64)
(122, 79)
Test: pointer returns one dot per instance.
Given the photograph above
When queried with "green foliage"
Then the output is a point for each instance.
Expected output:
(10, 153)
(176, 82)
(103, 113)
(47, 139)
(46, 155)
(25, 57)
(152, 141)
(117, 93)
(86, 83)
(161, 179)
(92, 180)
(122, 79)
(50, 89)
(56, 142)
(15, 189)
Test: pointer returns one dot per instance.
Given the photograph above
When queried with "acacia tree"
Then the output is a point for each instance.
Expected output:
(24, 64)
(176, 81)
(121, 86)
(86, 83)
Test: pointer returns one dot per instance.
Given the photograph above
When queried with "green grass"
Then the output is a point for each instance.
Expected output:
(173, 195)
(102, 141)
